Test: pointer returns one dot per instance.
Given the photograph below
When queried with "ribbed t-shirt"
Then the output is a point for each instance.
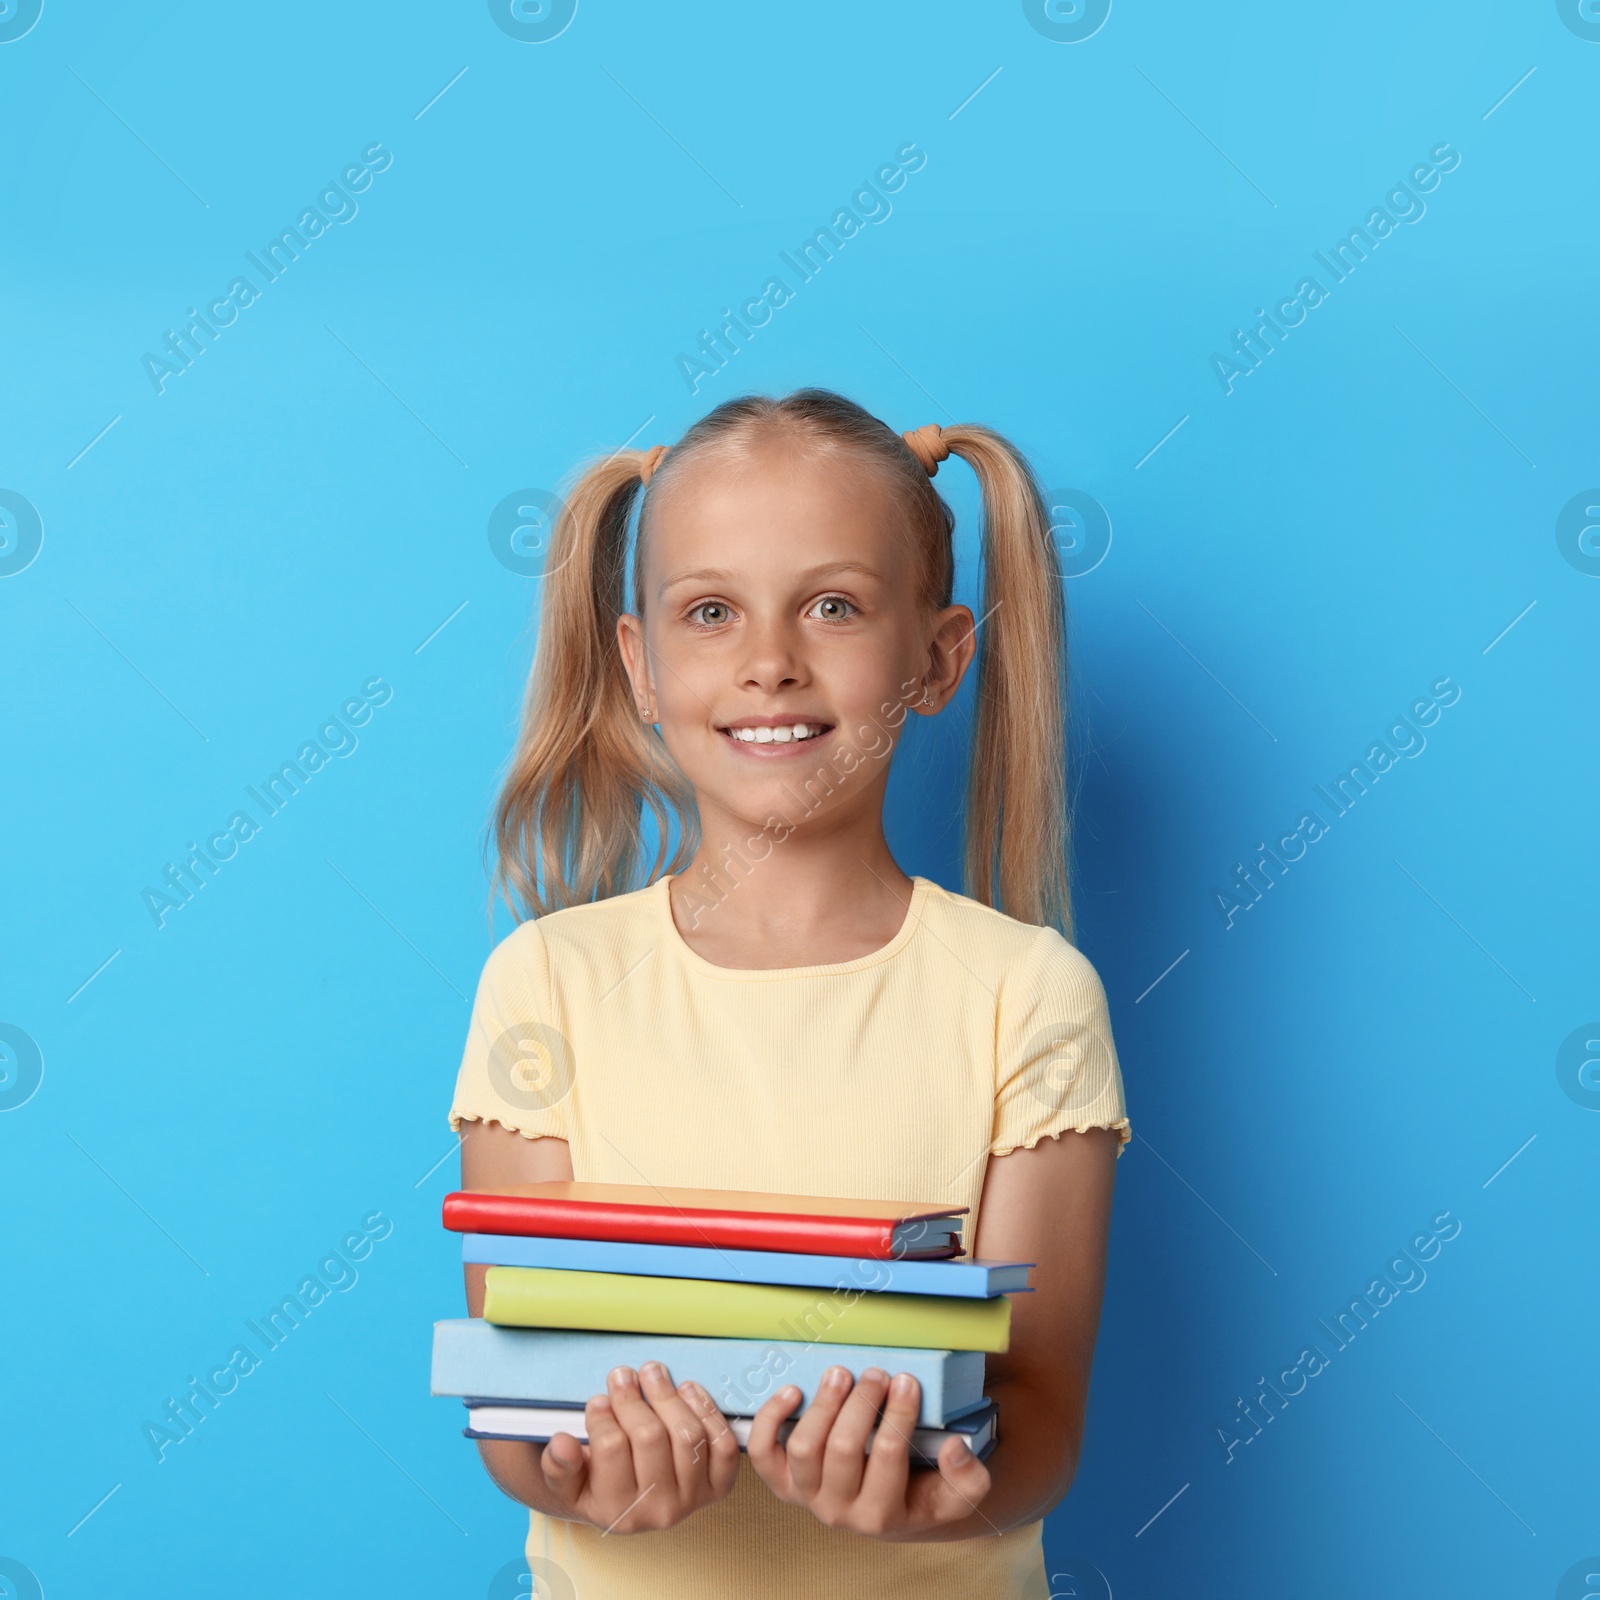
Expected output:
(892, 1076)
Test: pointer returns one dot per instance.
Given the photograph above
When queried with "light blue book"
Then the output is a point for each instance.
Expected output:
(966, 1280)
(474, 1359)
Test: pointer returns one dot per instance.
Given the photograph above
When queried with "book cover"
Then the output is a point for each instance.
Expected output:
(472, 1357)
(964, 1279)
(710, 1218)
(544, 1297)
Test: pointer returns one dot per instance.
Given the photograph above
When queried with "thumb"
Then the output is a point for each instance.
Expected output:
(565, 1464)
(961, 1485)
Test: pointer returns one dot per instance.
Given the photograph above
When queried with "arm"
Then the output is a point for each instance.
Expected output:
(492, 1156)
(1051, 1205)
(655, 1454)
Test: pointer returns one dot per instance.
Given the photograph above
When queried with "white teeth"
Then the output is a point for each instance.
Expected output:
(800, 730)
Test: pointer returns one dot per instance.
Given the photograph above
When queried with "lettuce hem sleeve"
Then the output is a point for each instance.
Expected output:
(1120, 1127)
(530, 1124)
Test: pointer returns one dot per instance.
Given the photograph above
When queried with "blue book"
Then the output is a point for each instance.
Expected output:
(966, 1280)
(474, 1359)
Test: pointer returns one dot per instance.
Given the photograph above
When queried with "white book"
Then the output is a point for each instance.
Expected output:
(487, 1419)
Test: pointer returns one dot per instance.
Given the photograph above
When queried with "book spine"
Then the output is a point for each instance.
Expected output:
(538, 1297)
(807, 1235)
(972, 1280)
(473, 1357)
(925, 1442)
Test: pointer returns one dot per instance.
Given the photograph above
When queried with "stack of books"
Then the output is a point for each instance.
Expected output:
(741, 1293)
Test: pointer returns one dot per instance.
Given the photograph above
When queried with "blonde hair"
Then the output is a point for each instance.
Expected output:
(567, 825)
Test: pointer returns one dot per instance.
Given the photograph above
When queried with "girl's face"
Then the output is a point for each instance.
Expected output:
(783, 641)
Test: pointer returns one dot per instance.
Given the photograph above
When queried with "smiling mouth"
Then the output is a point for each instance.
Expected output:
(770, 738)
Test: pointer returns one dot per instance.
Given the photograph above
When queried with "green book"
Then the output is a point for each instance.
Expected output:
(546, 1297)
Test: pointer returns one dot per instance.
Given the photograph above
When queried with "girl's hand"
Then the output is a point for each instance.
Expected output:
(655, 1454)
(825, 1467)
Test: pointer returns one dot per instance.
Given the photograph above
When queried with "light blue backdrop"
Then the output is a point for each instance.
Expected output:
(289, 538)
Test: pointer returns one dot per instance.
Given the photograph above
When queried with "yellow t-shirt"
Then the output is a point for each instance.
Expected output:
(892, 1076)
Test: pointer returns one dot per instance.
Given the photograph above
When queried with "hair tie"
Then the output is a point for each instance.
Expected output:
(928, 446)
(652, 460)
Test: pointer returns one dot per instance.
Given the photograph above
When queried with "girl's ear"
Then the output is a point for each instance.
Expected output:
(636, 659)
(950, 653)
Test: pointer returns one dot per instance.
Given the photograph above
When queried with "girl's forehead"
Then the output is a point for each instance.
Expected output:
(769, 470)
(759, 506)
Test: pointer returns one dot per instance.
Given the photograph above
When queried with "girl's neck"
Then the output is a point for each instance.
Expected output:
(805, 902)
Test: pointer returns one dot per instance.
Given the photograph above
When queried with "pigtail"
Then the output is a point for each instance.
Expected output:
(567, 822)
(1017, 820)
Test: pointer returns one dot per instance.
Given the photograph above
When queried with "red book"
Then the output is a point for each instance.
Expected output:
(884, 1230)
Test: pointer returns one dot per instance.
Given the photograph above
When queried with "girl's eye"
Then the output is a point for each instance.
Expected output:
(711, 613)
(832, 608)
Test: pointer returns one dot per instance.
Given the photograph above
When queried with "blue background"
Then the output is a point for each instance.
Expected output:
(308, 506)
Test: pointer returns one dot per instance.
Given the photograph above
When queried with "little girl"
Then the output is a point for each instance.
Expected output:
(779, 1007)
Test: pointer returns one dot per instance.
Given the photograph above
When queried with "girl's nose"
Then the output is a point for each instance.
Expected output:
(773, 657)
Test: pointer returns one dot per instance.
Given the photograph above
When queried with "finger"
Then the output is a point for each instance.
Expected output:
(690, 1452)
(648, 1438)
(565, 1465)
(722, 1448)
(888, 1467)
(767, 1456)
(845, 1457)
(956, 1490)
(611, 1480)
(809, 1441)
